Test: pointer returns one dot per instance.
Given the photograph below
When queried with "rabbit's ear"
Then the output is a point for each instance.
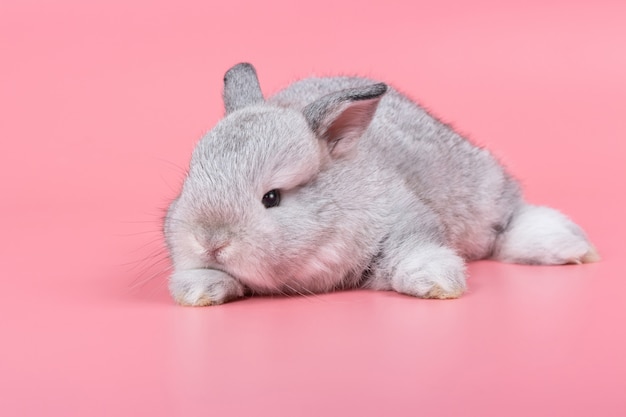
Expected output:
(341, 118)
(241, 88)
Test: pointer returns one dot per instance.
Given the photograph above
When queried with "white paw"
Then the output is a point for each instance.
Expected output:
(203, 287)
(431, 272)
(541, 235)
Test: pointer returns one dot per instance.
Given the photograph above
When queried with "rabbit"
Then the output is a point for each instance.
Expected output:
(343, 182)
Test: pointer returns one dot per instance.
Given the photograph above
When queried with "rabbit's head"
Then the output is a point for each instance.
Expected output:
(271, 198)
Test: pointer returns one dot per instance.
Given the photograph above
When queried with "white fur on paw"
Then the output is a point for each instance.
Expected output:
(203, 287)
(431, 272)
(541, 235)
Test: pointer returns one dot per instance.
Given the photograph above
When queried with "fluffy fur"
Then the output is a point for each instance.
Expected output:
(375, 192)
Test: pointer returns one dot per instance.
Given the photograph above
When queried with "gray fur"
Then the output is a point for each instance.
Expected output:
(375, 193)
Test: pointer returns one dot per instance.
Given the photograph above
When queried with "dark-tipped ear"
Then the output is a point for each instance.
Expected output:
(241, 88)
(341, 118)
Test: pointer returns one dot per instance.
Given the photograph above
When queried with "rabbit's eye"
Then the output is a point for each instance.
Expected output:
(271, 199)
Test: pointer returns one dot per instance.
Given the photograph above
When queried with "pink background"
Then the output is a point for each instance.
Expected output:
(101, 104)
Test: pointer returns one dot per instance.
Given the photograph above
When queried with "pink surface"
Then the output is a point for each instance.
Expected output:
(101, 104)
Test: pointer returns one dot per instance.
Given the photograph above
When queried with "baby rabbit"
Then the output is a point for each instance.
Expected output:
(341, 183)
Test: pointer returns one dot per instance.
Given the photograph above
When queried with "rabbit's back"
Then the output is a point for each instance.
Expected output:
(465, 185)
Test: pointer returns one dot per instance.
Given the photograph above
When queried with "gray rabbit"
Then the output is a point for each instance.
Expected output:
(341, 183)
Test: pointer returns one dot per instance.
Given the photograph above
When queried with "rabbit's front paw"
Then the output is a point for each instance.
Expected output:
(431, 272)
(203, 287)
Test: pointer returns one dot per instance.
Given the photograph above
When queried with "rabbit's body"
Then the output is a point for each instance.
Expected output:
(375, 193)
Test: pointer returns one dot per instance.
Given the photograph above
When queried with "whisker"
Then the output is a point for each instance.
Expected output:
(173, 189)
(157, 253)
(314, 297)
(142, 281)
(138, 221)
(145, 232)
(158, 285)
(180, 169)
(151, 243)
(149, 262)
